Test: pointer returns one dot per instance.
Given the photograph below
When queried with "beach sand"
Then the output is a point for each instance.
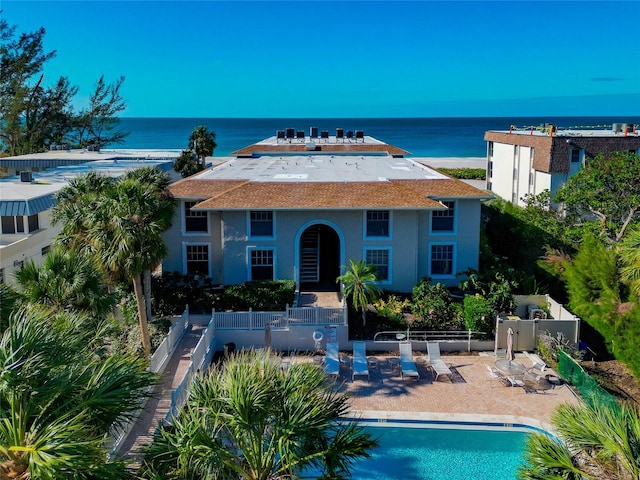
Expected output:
(452, 162)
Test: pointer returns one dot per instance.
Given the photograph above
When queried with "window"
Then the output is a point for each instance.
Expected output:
(1, 276)
(378, 223)
(575, 155)
(379, 258)
(491, 149)
(197, 259)
(443, 220)
(194, 220)
(17, 264)
(32, 221)
(441, 259)
(490, 169)
(13, 224)
(45, 250)
(261, 264)
(261, 224)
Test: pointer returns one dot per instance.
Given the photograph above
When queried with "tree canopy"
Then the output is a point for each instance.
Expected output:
(607, 189)
(34, 116)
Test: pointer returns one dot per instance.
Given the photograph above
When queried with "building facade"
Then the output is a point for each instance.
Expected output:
(529, 161)
(28, 195)
(302, 213)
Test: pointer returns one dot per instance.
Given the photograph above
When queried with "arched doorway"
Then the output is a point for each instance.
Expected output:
(319, 258)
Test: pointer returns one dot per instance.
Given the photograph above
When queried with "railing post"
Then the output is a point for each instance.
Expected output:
(286, 316)
(469, 341)
(213, 319)
(186, 315)
(250, 318)
(316, 312)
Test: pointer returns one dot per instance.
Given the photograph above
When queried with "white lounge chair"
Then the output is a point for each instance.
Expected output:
(407, 365)
(437, 364)
(332, 360)
(360, 366)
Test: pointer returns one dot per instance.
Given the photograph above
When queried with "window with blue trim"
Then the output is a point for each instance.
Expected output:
(261, 224)
(441, 259)
(379, 258)
(261, 264)
(443, 220)
(377, 223)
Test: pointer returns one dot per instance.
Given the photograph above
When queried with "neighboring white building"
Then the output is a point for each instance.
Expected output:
(26, 199)
(531, 160)
(301, 208)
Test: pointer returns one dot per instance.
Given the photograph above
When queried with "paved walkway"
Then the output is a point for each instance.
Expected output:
(158, 405)
(327, 299)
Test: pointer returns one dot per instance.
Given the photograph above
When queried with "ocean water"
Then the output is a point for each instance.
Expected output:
(423, 137)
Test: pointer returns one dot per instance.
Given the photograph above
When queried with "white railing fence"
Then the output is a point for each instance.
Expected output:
(157, 363)
(251, 320)
(160, 357)
(201, 356)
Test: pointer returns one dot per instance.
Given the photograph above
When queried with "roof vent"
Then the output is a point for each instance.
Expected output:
(26, 177)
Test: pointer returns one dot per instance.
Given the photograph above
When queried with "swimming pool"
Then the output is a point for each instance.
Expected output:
(417, 452)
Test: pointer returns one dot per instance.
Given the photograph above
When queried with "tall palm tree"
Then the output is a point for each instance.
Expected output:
(599, 441)
(120, 222)
(202, 142)
(248, 419)
(359, 280)
(629, 251)
(66, 280)
(59, 398)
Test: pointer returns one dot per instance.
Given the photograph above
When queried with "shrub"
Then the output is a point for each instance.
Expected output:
(465, 173)
(259, 295)
(393, 309)
(435, 307)
(478, 314)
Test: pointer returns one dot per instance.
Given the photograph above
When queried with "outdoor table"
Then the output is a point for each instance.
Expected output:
(510, 367)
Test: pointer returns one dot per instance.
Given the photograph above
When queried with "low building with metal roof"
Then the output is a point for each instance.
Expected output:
(26, 200)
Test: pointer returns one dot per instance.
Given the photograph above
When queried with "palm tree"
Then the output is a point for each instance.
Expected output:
(120, 223)
(359, 280)
(59, 398)
(599, 441)
(202, 142)
(629, 251)
(66, 280)
(248, 419)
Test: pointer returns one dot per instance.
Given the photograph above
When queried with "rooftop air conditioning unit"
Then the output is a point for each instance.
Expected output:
(26, 177)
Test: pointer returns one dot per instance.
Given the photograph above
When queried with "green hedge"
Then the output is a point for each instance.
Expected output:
(465, 173)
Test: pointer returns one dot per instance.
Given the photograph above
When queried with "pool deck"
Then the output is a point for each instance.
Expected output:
(469, 395)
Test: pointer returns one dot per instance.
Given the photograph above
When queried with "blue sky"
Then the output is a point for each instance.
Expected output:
(346, 59)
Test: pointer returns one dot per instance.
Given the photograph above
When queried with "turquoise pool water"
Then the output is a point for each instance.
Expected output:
(410, 453)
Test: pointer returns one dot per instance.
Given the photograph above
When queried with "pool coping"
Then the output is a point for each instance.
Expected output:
(453, 420)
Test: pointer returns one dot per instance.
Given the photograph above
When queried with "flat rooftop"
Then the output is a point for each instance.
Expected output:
(570, 132)
(27, 198)
(366, 145)
(321, 168)
(83, 156)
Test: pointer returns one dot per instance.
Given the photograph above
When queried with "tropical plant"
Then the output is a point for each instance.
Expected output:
(120, 223)
(359, 285)
(60, 398)
(249, 419)
(600, 441)
(67, 280)
(393, 308)
(187, 164)
(9, 301)
(607, 188)
(202, 142)
(479, 315)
